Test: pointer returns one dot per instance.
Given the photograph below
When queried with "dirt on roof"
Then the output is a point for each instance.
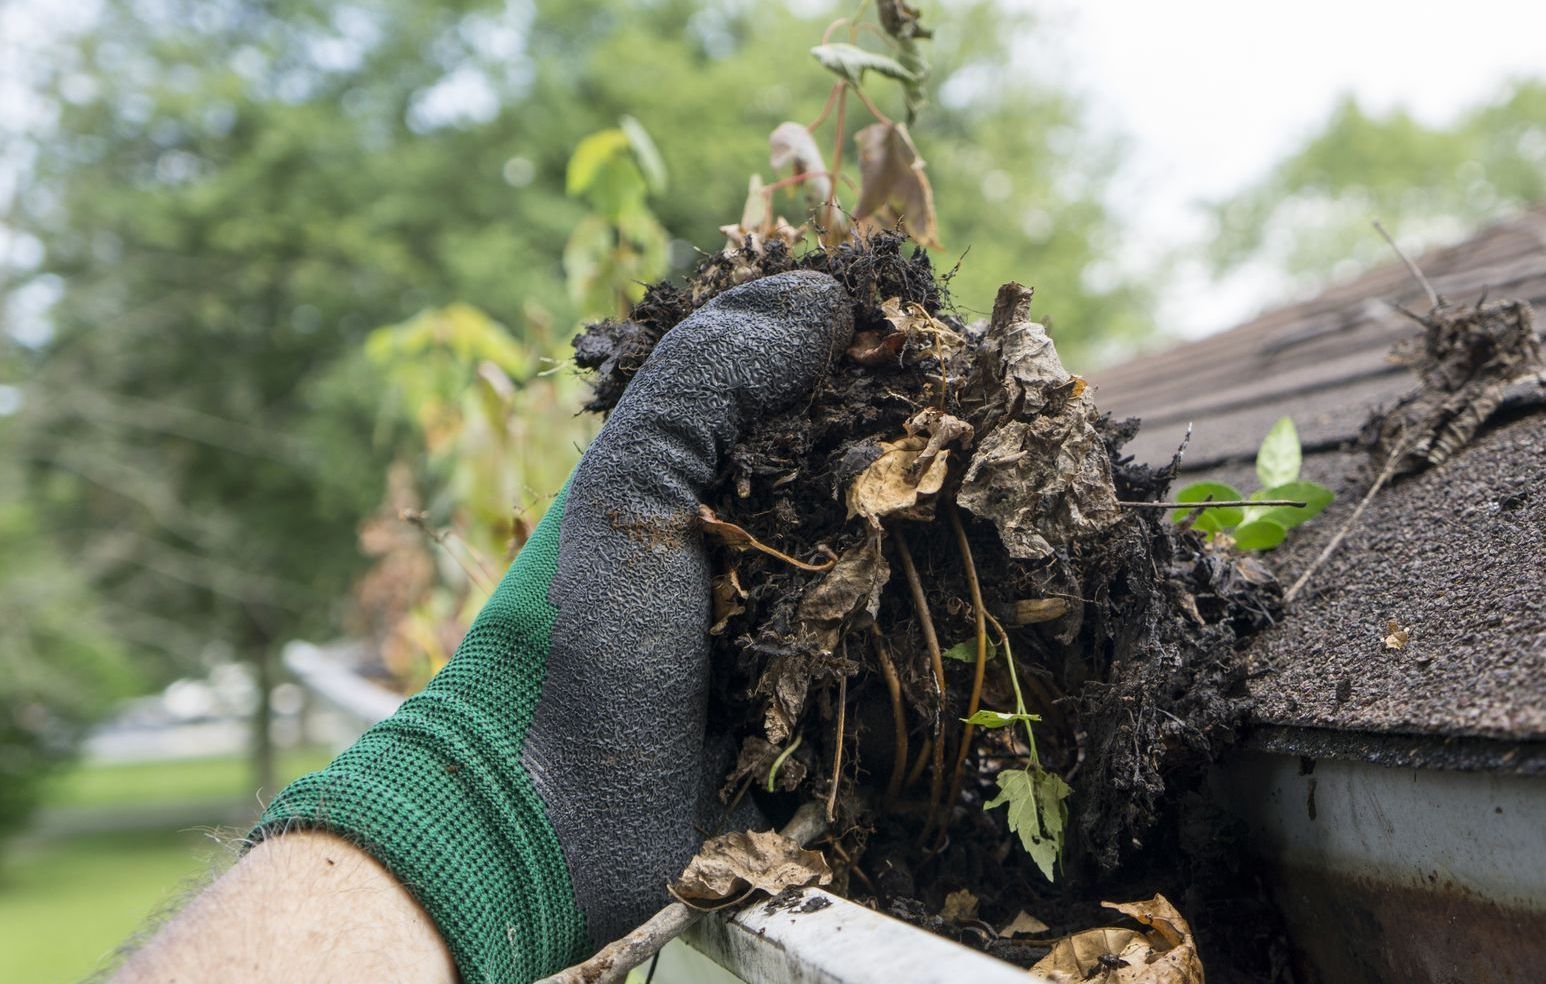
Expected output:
(1448, 565)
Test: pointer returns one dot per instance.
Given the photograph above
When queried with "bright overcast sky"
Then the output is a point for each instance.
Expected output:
(1211, 92)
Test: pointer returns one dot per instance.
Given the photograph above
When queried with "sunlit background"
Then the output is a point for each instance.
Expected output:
(287, 287)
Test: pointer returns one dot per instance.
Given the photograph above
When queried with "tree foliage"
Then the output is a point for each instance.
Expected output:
(230, 196)
(1310, 216)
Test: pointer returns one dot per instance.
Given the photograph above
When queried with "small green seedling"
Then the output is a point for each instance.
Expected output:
(1038, 811)
(1260, 527)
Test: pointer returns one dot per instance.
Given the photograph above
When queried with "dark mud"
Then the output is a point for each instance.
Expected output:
(1127, 631)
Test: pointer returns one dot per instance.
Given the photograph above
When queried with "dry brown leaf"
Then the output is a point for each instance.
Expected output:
(872, 349)
(1395, 636)
(924, 333)
(892, 180)
(960, 906)
(792, 145)
(732, 865)
(1166, 954)
(1042, 476)
(852, 586)
(1031, 611)
(728, 598)
(942, 430)
(1023, 924)
(888, 486)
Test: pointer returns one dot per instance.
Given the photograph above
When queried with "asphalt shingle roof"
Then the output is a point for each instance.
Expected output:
(1455, 555)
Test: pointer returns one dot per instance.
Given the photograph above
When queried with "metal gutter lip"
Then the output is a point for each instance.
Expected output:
(819, 938)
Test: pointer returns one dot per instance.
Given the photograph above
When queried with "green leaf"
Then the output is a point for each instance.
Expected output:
(1316, 498)
(1211, 520)
(998, 719)
(1260, 534)
(590, 156)
(966, 652)
(1036, 812)
(646, 153)
(850, 61)
(1278, 461)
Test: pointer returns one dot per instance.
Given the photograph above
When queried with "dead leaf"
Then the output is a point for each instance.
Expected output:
(922, 332)
(792, 145)
(850, 591)
(1031, 611)
(1042, 475)
(960, 906)
(872, 349)
(728, 595)
(853, 585)
(888, 486)
(1395, 636)
(942, 430)
(758, 226)
(892, 180)
(1023, 924)
(730, 866)
(1166, 954)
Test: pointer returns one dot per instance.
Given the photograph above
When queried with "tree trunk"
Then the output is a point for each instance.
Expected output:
(263, 767)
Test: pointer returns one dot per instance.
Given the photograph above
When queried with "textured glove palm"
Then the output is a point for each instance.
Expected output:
(541, 790)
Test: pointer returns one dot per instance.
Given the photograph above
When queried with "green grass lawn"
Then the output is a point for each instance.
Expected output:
(191, 781)
(67, 902)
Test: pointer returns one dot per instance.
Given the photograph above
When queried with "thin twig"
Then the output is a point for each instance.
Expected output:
(613, 961)
(837, 755)
(416, 518)
(1336, 540)
(1212, 504)
(898, 715)
(825, 110)
(1433, 296)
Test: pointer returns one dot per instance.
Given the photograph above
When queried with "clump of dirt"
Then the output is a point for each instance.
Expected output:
(952, 488)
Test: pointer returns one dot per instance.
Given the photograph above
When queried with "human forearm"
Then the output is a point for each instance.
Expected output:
(307, 906)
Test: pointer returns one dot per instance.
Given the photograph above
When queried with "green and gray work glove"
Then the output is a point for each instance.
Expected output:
(541, 791)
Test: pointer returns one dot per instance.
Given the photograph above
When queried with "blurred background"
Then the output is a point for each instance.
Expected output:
(287, 288)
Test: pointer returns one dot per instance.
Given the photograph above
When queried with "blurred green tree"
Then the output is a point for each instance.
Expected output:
(231, 194)
(1310, 215)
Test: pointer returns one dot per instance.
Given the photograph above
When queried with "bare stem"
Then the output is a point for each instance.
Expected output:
(778, 763)
(1434, 300)
(898, 715)
(874, 110)
(837, 755)
(1214, 504)
(417, 518)
(975, 587)
(930, 640)
(826, 110)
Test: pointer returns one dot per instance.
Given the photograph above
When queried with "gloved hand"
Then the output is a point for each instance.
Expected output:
(540, 792)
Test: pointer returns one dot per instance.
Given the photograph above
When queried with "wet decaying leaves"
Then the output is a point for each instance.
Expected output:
(733, 865)
(1125, 629)
(1165, 954)
(1465, 358)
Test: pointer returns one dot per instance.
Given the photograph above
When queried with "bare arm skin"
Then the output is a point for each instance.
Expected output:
(302, 907)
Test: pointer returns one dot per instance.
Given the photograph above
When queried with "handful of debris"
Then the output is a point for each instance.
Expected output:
(938, 593)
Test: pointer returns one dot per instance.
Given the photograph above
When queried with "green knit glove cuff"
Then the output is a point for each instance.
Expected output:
(438, 794)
